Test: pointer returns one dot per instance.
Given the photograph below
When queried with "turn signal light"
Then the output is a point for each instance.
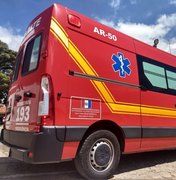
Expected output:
(74, 20)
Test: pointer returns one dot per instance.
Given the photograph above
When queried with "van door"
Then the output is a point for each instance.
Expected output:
(158, 99)
(24, 92)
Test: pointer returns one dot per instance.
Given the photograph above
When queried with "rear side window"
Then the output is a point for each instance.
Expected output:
(32, 55)
(155, 74)
(171, 77)
(17, 66)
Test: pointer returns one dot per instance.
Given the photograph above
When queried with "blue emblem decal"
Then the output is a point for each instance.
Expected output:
(121, 65)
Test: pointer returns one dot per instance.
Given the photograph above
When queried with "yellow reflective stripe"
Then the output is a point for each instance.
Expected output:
(58, 39)
(81, 60)
(53, 18)
(158, 111)
(125, 108)
(114, 106)
(59, 32)
(102, 90)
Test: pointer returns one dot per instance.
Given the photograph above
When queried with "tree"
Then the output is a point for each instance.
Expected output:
(7, 59)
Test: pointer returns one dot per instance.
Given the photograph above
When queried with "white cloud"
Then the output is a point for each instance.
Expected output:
(172, 2)
(115, 4)
(9, 36)
(172, 46)
(147, 33)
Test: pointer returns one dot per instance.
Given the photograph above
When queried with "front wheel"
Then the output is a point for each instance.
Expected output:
(98, 156)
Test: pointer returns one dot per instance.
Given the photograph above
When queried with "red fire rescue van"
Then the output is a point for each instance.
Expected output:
(84, 91)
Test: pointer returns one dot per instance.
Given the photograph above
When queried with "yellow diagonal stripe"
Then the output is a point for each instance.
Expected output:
(60, 33)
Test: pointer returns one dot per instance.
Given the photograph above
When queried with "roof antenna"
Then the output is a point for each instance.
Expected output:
(170, 47)
(156, 41)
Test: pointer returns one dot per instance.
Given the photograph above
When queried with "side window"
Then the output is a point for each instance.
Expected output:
(155, 74)
(32, 55)
(171, 78)
(17, 66)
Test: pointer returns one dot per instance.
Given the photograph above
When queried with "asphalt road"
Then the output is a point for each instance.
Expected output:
(153, 165)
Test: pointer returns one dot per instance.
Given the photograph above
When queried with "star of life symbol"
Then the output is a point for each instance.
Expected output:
(121, 65)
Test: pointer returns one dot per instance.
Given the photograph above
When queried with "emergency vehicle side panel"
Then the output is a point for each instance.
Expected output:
(92, 65)
(115, 104)
(92, 57)
(86, 53)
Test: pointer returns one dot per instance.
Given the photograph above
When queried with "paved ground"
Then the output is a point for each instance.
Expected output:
(157, 165)
(153, 165)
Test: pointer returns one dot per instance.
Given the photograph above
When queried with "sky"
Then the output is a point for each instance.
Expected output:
(145, 20)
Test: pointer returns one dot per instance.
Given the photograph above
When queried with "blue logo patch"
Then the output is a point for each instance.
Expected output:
(121, 65)
(87, 104)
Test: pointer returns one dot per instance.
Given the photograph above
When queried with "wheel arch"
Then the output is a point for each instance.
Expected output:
(106, 125)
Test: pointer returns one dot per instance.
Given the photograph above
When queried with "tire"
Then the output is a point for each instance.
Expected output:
(99, 155)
